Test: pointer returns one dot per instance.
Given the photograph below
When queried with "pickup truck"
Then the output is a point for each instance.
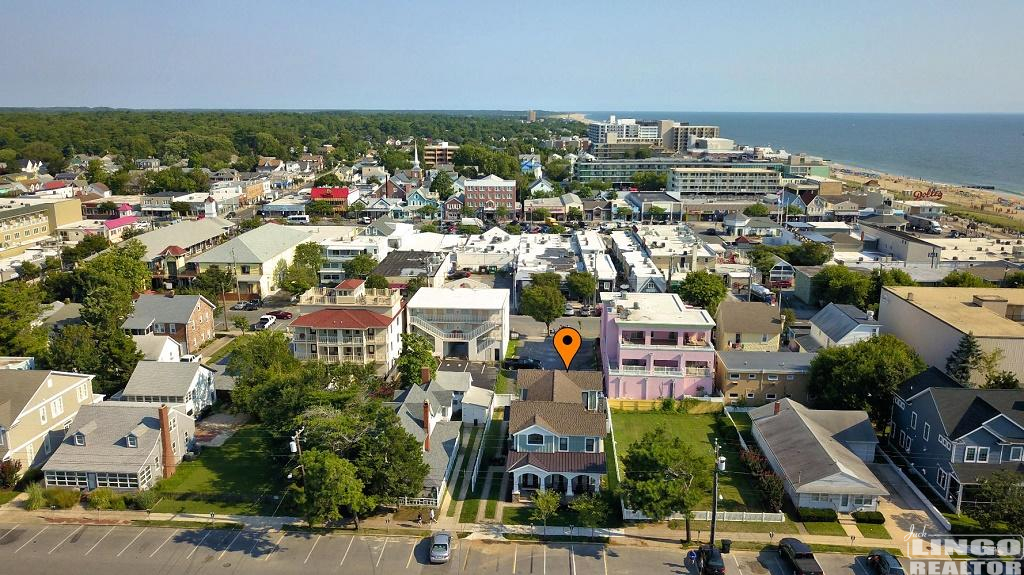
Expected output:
(799, 555)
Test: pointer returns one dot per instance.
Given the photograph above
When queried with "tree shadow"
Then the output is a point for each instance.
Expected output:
(251, 542)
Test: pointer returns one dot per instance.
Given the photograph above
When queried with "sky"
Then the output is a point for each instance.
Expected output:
(563, 55)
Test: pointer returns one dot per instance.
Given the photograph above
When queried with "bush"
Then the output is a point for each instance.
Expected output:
(105, 498)
(813, 515)
(62, 498)
(872, 517)
(668, 404)
(32, 475)
(9, 471)
(36, 499)
(143, 500)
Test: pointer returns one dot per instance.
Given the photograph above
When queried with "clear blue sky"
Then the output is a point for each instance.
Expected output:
(630, 55)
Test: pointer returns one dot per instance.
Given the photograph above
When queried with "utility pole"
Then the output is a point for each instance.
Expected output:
(719, 467)
(295, 446)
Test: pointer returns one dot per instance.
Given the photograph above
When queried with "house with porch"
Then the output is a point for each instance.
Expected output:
(254, 257)
(426, 414)
(557, 431)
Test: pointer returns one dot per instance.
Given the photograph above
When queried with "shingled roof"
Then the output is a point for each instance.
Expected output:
(561, 418)
(560, 386)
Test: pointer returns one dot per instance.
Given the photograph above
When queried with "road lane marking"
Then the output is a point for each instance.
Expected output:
(381, 556)
(205, 535)
(275, 547)
(515, 553)
(10, 531)
(545, 562)
(94, 545)
(310, 554)
(412, 551)
(350, 541)
(572, 560)
(32, 539)
(604, 559)
(164, 543)
(70, 535)
(221, 556)
(133, 541)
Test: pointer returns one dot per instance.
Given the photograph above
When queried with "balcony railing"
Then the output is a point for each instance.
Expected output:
(661, 371)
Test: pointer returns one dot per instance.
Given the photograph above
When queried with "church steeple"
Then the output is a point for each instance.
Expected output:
(415, 155)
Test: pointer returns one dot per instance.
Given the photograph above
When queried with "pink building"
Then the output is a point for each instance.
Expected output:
(654, 346)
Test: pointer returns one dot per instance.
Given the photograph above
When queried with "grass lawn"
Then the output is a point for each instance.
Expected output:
(493, 496)
(241, 477)
(467, 460)
(6, 496)
(738, 490)
(824, 528)
(504, 384)
(737, 526)
(874, 531)
(613, 464)
(524, 516)
(223, 352)
(743, 424)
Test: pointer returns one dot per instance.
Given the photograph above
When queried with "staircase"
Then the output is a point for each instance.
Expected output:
(453, 335)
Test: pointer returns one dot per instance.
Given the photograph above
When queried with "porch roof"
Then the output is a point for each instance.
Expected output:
(561, 462)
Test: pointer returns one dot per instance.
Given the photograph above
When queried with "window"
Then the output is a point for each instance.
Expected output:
(81, 392)
(900, 404)
(563, 444)
(970, 454)
(926, 433)
(734, 395)
(750, 395)
(172, 328)
(535, 439)
(945, 442)
(913, 420)
(1016, 453)
(79, 439)
(133, 441)
(158, 328)
(47, 449)
(790, 377)
(591, 445)
(773, 377)
(117, 480)
(42, 415)
(734, 376)
(982, 455)
(57, 407)
(751, 376)
(769, 396)
(66, 478)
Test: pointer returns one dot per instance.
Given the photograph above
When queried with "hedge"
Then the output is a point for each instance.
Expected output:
(872, 517)
(814, 515)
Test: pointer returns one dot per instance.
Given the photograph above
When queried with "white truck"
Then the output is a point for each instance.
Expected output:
(924, 224)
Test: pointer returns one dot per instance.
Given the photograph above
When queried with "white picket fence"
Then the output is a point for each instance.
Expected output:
(749, 516)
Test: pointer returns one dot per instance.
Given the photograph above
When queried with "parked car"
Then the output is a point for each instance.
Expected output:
(281, 314)
(441, 547)
(521, 363)
(190, 358)
(710, 560)
(264, 322)
(240, 306)
(569, 310)
(596, 312)
(458, 275)
(799, 555)
(884, 563)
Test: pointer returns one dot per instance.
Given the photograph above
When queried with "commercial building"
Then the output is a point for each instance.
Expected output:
(641, 273)
(25, 222)
(594, 259)
(620, 172)
(467, 324)
(724, 181)
(485, 195)
(401, 266)
(756, 378)
(254, 257)
(654, 346)
(340, 199)
(902, 246)
(439, 153)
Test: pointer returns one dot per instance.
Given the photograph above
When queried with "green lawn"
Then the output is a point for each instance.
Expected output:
(737, 526)
(223, 352)
(493, 495)
(240, 477)
(6, 496)
(874, 531)
(467, 460)
(738, 490)
(524, 516)
(492, 443)
(743, 424)
(824, 528)
(613, 464)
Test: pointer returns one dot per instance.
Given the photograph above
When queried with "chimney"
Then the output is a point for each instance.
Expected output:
(426, 426)
(778, 407)
(165, 440)
(871, 315)
(425, 375)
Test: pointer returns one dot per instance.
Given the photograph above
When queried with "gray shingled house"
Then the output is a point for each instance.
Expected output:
(187, 384)
(426, 415)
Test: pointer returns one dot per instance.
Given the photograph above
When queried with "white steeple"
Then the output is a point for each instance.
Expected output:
(415, 156)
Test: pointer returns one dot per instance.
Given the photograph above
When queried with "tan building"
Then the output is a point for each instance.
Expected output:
(724, 181)
(747, 326)
(36, 408)
(439, 153)
(902, 246)
(26, 222)
(757, 378)
(932, 320)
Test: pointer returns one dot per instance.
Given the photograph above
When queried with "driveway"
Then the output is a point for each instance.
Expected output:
(904, 512)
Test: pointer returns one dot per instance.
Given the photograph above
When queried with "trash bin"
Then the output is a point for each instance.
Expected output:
(726, 545)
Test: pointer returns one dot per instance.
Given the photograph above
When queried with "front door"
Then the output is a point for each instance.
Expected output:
(90, 479)
(844, 501)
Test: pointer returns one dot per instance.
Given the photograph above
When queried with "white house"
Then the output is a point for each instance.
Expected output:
(157, 347)
(469, 324)
(255, 257)
(186, 384)
(842, 325)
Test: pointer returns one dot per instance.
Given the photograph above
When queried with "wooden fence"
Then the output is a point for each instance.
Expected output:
(696, 406)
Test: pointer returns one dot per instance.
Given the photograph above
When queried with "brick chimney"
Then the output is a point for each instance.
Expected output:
(426, 426)
(424, 375)
(165, 440)
(778, 407)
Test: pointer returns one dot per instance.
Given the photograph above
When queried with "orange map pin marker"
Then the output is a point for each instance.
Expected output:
(567, 342)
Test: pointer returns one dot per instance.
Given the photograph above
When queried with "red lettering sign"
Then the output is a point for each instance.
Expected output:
(930, 194)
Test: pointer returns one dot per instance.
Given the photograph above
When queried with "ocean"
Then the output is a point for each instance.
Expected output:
(961, 149)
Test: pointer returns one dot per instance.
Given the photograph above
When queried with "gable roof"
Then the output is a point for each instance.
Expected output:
(342, 319)
(963, 410)
(17, 387)
(931, 377)
(558, 386)
(255, 246)
(163, 378)
(557, 417)
(187, 233)
(152, 345)
(838, 320)
(329, 193)
(157, 308)
(748, 317)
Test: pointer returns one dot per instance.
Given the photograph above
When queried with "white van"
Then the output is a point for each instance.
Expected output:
(303, 219)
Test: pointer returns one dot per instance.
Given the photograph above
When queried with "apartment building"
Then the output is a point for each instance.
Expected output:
(620, 172)
(757, 378)
(485, 195)
(338, 250)
(25, 222)
(36, 408)
(253, 257)
(655, 346)
(439, 153)
(724, 181)
(463, 323)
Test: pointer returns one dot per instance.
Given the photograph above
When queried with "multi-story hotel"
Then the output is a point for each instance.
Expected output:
(487, 194)
(724, 181)
(439, 153)
(26, 222)
(469, 324)
(654, 346)
(620, 172)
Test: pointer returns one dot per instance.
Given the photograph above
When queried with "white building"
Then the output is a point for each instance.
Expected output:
(255, 257)
(594, 259)
(724, 181)
(641, 273)
(469, 324)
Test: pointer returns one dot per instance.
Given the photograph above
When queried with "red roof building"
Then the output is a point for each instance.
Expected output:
(351, 319)
(339, 198)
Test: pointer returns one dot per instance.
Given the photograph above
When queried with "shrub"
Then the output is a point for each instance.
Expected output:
(873, 517)
(62, 498)
(36, 499)
(814, 515)
(668, 404)
(104, 498)
(9, 471)
(143, 500)
(31, 475)
(772, 489)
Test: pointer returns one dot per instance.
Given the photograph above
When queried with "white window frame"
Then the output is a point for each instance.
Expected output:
(982, 451)
(913, 420)
(79, 439)
(751, 376)
(565, 441)
(172, 328)
(900, 403)
(790, 377)
(773, 377)
(750, 395)
(57, 407)
(81, 392)
(531, 435)
(734, 377)
(590, 445)
(770, 396)
(970, 454)
(926, 432)
(1015, 449)
(132, 441)
(42, 416)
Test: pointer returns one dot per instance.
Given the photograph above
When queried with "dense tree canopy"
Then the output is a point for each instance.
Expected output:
(841, 285)
(964, 279)
(702, 289)
(664, 475)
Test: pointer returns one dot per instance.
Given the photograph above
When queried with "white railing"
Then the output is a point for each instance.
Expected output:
(455, 335)
(418, 501)
(749, 516)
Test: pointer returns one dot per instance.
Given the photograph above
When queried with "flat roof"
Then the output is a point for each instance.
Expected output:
(656, 308)
(955, 306)
(455, 298)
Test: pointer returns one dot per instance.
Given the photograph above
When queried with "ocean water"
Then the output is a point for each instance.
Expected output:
(977, 149)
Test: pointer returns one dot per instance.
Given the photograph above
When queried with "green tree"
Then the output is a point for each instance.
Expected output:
(329, 484)
(789, 316)
(108, 353)
(73, 348)
(622, 212)
(329, 180)
(429, 227)
(29, 270)
(414, 285)
(665, 475)
(427, 211)
(542, 302)
(1002, 380)
(106, 307)
(886, 277)
(468, 230)
(299, 279)
(501, 213)
(657, 213)
(20, 305)
(309, 255)
(863, 376)
(965, 359)
(376, 281)
(582, 285)
(757, 211)
(319, 208)
(809, 254)
(513, 229)
(545, 506)
(360, 266)
(540, 214)
(240, 322)
(89, 245)
(840, 285)
(1014, 280)
(997, 505)
(249, 224)
(417, 354)
(703, 289)
(442, 186)
(550, 279)
(213, 283)
(650, 181)
(574, 214)
(592, 509)
(964, 279)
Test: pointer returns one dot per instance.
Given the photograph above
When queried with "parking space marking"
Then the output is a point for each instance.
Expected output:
(205, 535)
(133, 541)
(32, 539)
(221, 556)
(412, 551)
(572, 559)
(545, 562)
(9, 531)
(382, 548)
(275, 547)
(310, 554)
(164, 543)
(737, 562)
(70, 535)
(94, 545)
(515, 553)
(604, 559)
(351, 540)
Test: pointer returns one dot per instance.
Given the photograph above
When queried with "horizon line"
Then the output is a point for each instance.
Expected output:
(479, 110)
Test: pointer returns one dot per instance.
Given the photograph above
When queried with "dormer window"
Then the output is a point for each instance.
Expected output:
(79, 439)
(535, 439)
(132, 441)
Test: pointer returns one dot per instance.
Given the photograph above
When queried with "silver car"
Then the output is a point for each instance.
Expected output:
(441, 547)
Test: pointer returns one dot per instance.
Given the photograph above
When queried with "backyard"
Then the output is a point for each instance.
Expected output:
(737, 490)
(245, 476)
